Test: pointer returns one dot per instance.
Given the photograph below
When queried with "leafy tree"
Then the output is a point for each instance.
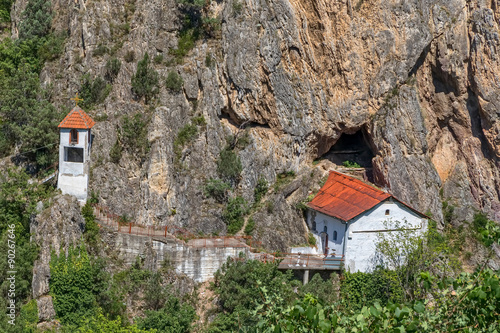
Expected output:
(234, 213)
(93, 92)
(174, 317)
(29, 120)
(229, 165)
(325, 291)
(36, 20)
(18, 200)
(217, 189)
(91, 233)
(238, 285)
(472, 306)
(260, 190)
(174, 81)
(360, 289)
(112, 69)
(5, 6)
(134, 134)
(145, 81)
(101, 324)
(75, 280)
(409, 253)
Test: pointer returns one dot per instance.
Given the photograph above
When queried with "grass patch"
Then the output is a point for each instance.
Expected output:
(283, 179)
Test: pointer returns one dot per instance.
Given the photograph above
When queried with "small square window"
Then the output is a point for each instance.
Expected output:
(72, 154)
(387, 212)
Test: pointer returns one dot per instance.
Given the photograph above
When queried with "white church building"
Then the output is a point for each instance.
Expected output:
(74, 153)
(347, 216)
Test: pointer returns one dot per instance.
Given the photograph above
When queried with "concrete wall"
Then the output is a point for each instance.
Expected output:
(73, 177)
(363, 231)
(199, 264)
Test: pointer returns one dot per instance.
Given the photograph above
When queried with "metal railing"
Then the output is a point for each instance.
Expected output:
(179, 234)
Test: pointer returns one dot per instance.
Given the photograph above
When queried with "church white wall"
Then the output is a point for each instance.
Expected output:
(362, 233)
(332, 224)
(73, 176)
(73, 185)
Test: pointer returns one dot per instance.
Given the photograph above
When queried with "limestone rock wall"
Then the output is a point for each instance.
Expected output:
(418, 77)
(57, 228)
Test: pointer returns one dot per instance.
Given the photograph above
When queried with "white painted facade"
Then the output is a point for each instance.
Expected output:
(73, 176)
(356, 240)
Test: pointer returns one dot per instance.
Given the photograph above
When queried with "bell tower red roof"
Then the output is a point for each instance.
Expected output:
(77, 118)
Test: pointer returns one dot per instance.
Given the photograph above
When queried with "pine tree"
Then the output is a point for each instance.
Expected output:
(145, 81)
(37, 20)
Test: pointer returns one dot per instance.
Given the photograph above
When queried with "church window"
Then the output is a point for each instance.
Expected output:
(314, 225)
(387, 212)
(335, 235)
(73, 136)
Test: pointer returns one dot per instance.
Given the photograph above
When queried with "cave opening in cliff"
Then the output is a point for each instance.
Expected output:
(352, 151)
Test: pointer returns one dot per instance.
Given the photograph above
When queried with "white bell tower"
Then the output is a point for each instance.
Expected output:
(74, 152)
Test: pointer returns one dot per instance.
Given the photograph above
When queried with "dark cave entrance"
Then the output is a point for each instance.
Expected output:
(351, 150)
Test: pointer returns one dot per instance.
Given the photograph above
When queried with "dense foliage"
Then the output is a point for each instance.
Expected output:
(470, 303)
(29, 121)
(18, 200)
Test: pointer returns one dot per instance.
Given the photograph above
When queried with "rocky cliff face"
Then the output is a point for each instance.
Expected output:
(56, 229)
(418, 78)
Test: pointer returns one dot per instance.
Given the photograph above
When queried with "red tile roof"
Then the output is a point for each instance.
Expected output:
(345, 197)
(77, 118)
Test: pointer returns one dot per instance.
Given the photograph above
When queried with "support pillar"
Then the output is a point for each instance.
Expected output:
(306, 277)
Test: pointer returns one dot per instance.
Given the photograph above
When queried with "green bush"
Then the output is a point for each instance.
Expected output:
(260, 189)
(112, 68)
(134, 135)
(250, 227)
(5, 7)
(174, 81)
(360, 289)
(28, 119)
(91, 233)
(234, 213)
(185, 135)
(311, 240)
(173, 317)
(217, 189)
(229, 165)
(158, 59)
(199, 121)
(75, 280)
(52, 47)
(100, 50)
(325, 291)
(93, 92)
(238, 285)
(349, 164)
(145, 82)
(237, 7)
(184, 44)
